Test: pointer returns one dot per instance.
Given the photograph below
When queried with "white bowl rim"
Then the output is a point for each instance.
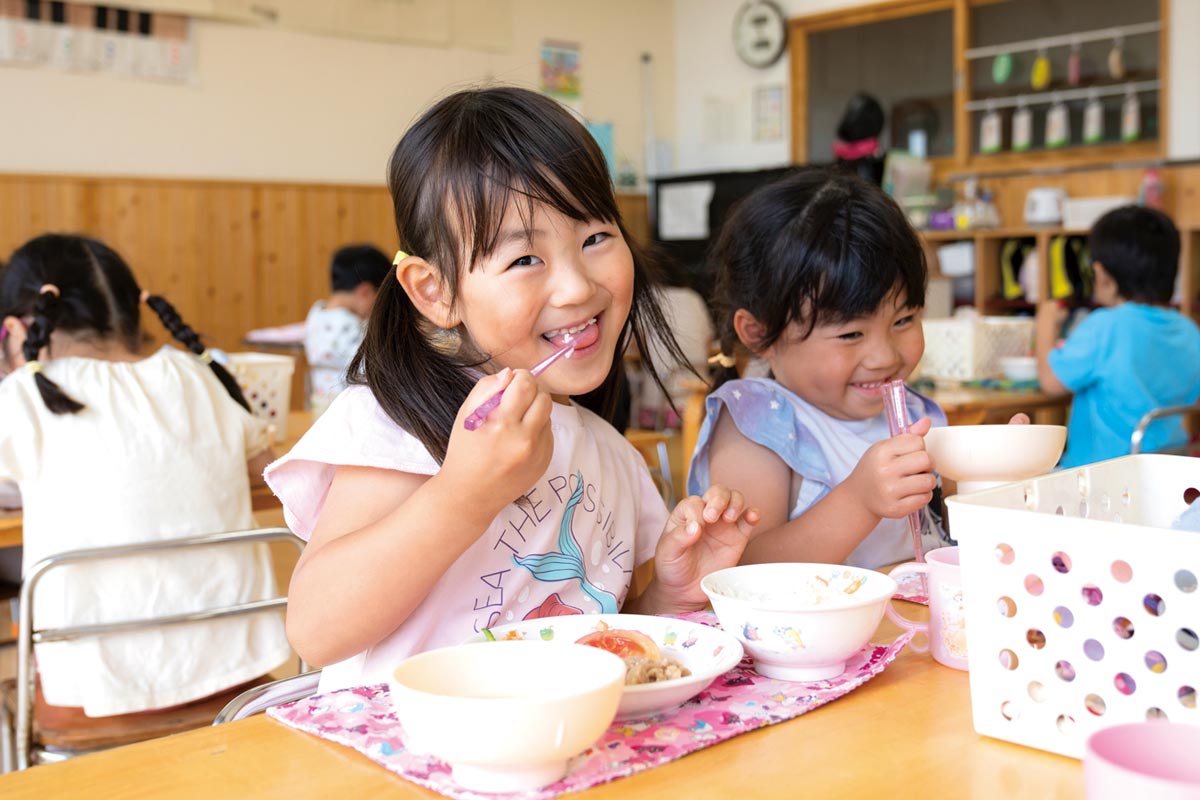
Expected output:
(540, 698)
(1032, 426)
(766, 605)
(736, 652)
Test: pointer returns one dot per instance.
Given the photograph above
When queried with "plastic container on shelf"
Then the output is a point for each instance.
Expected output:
(971, 348)
(266, 381)
(956, 259)
(1080, 213)
(1082, 608)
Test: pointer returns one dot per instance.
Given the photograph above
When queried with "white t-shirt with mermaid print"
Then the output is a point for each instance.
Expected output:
(569, 548)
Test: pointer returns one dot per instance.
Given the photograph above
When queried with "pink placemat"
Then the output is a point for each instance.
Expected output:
(736, 702)
(911, 587)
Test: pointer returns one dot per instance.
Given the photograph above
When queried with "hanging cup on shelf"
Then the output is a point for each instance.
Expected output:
(1002, 66)
(1039, 77)
(1074, 65)
(1116, 59)
(1093, 119)
(1022, 127)
(1131, 116)
(990, 131)
(1058, 124)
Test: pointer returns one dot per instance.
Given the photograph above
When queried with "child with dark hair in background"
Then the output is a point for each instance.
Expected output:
(335, 326)
(111, 447)
(1131, 355)
(421, 530)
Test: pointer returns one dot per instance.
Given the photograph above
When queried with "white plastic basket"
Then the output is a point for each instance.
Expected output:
(266, 381)
(970, 349)
(1081, 603)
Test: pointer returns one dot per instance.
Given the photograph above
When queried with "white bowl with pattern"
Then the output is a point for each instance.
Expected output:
(799, 622)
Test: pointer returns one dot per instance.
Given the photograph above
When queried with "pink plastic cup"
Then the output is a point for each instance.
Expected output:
(1155, 759)
(947, 626)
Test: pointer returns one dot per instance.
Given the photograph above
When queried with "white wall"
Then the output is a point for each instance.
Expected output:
(1183, 113)
(714, 95)
(713, 82)
(280, 105)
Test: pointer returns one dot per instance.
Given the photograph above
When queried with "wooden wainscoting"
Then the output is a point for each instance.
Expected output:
(231, 255)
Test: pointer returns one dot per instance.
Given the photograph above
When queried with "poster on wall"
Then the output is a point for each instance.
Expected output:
(768, 114)
(560, 72)
(77, 38)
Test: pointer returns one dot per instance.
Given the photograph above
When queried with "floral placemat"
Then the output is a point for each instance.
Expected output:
(911, 587)
(736, 702)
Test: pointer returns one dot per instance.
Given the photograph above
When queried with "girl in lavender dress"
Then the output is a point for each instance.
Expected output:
(820, 275)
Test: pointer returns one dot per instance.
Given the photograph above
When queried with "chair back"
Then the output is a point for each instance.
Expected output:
(260, 698)
(28, 634)
(1139, 430)
(652, 445)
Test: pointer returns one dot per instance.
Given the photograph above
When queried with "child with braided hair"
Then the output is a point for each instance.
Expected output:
(111, 446)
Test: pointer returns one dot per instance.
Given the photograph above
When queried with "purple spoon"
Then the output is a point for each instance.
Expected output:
(480, 415)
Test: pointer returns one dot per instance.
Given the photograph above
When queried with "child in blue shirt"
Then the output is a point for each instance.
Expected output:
(1133, 354)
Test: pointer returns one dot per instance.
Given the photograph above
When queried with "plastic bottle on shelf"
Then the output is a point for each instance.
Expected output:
(986, 213)
(1150, 193)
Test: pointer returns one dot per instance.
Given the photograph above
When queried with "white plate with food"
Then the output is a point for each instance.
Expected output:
(657, 652)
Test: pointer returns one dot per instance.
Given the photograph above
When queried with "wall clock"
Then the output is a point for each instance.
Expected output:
(759, 33)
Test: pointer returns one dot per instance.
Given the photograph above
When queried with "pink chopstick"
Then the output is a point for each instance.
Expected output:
(480, 415)
(896, 408)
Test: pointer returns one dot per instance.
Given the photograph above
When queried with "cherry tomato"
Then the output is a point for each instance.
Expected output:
(622, 643)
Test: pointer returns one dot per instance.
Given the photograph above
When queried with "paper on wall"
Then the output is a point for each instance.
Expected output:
(683, 210)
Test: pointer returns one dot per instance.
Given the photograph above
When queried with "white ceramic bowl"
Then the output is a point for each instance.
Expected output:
(1019, 368)
(981, 456)
(800, 622)
(506, 716)
(707, 652)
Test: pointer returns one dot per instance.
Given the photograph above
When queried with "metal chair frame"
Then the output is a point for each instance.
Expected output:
(260, 698)
(1139, 430)
(28, 636)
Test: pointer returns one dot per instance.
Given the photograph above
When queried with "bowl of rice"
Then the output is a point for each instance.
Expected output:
(799, 622)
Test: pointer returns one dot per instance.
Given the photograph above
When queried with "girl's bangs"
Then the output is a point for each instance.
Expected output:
(481, 198)
(855, 272)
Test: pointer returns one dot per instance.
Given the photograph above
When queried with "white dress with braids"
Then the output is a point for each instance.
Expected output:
(159, 452)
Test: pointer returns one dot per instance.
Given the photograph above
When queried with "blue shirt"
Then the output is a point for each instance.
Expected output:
(1120, 363)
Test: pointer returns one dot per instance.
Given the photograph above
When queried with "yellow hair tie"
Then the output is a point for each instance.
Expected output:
(400, 256)
(205, 357)
(34, 367)
(728, 362)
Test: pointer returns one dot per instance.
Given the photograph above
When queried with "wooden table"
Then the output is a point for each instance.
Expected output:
(907, 731)
(971, 405)
(261, 498)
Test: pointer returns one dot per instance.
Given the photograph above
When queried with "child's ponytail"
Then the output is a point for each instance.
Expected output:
(46, 310)
(724, 364)
(191, 340)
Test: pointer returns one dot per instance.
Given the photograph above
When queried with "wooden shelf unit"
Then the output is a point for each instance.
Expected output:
(989, 242)
(964, 160)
